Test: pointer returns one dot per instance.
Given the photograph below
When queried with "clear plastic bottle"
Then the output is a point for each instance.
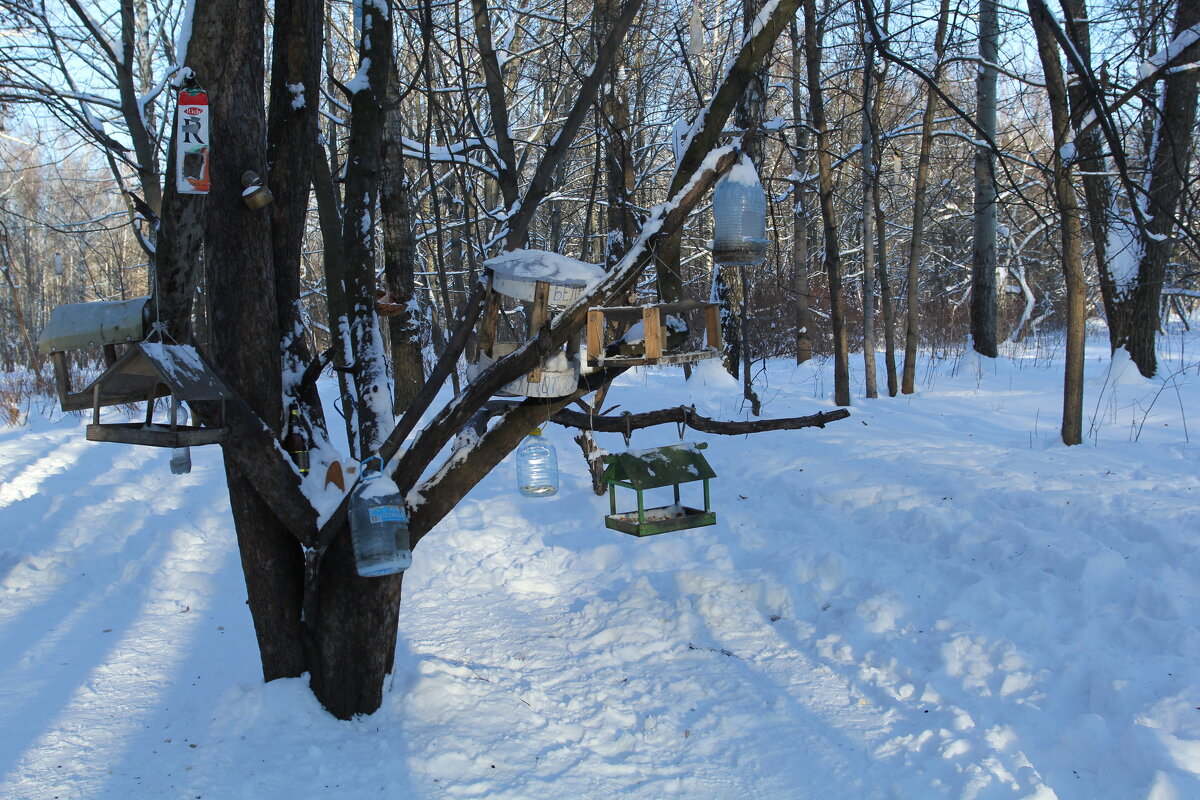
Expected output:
(740, 217)
(378, 523)
(537, 466)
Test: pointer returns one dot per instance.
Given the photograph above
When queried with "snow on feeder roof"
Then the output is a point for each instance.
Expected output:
(516, 273)
(654, 468)
(149, 370)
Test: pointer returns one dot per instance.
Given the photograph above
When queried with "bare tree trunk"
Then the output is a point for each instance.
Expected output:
(885, 290)
(1072, 229)
(870, 176)
(912, 325)
(799, 211)
(244, 333)
(399, 265)
(1168, 179)
(291, 131)
(833, 257)
(983, 259)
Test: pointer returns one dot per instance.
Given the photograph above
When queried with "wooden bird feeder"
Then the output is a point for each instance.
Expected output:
(147, 371)
(541, 281)
(654, 334)
(653, 468)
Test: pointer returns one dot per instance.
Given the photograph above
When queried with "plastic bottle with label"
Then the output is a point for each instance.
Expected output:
(378, 523)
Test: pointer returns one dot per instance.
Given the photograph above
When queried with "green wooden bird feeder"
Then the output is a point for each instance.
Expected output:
(651, 469)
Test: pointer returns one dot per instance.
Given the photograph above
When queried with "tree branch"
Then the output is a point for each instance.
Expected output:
(624, 423)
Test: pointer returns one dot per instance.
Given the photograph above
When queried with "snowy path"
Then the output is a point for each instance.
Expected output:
(932, 599)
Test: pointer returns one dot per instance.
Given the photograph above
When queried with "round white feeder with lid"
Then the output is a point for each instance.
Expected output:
(516, 274)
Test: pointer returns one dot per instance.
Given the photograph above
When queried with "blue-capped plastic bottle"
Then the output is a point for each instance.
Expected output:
(378, 523)
(537, 466)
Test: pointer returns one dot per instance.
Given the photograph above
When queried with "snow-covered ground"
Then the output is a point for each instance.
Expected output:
(932, 599)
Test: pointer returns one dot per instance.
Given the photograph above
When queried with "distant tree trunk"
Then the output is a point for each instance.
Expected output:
(869, 177)
(885, 289)
(1069, 217)
(983, 257)
(799, 211)
(833, 257)
(916, 243)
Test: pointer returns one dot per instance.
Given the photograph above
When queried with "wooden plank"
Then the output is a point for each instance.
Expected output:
(155, 435)
(541, 313)
(652, 331)
(712, 326)
(595, 334)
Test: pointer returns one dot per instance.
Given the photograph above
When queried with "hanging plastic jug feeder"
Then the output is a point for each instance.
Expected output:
(740, 217)
(641, 470)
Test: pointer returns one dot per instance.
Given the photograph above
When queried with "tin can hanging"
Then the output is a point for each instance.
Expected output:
(192, 145)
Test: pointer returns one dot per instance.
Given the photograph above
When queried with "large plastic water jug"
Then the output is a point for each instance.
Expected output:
(537, 466)
(378, 523)
(740, 217)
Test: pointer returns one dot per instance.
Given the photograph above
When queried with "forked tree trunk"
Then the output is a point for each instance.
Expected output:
(245, 344)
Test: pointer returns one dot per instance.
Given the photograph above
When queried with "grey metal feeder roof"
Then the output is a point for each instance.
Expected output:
(78, 325)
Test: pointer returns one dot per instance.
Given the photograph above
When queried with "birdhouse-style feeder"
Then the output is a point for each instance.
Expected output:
(653, 334)
(654, 468)
(541, 281)
(740, 217)
(147, 371)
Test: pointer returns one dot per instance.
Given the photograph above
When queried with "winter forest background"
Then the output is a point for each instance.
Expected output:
(73, 208)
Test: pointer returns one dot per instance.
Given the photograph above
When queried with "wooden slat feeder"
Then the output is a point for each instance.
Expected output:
(654, 468)
(147, 371)
(77, 326)
(653, 334)
(541, 281)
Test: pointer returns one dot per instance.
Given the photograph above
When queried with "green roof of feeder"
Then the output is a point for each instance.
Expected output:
(658, 466)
